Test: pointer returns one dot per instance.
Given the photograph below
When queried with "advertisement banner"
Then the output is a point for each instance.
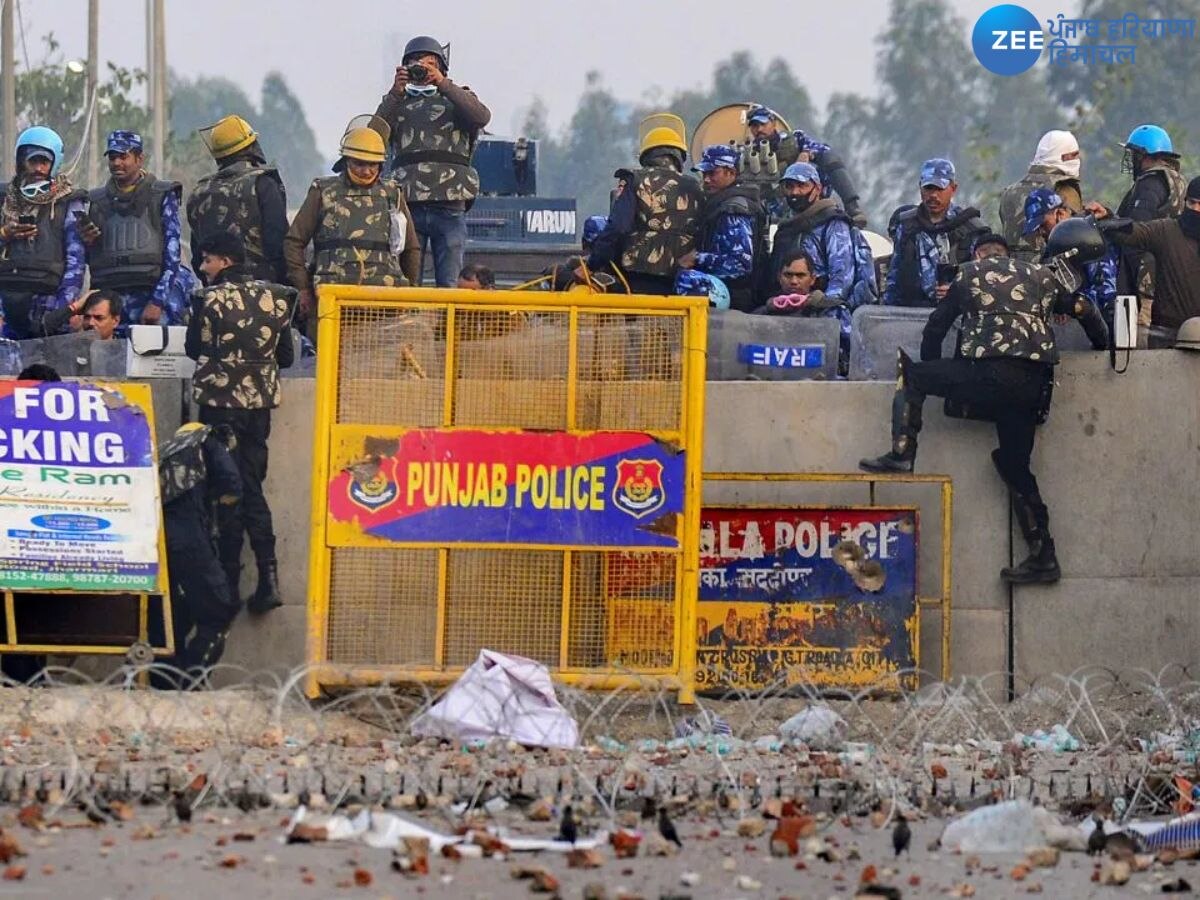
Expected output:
(622, 489)
(824, 596)
(79, 505)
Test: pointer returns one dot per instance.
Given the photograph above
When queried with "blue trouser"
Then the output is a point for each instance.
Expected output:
(445, 232)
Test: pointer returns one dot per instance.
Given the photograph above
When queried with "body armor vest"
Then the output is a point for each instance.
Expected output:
(666, 221)
(737, 200)
(365, 213)
(35, 266)
(959, 230)
(1012, 209)
(432, 155)
(129, 252)
(240, 330)
(1007, 310)
(227, 200)
(1176, 191)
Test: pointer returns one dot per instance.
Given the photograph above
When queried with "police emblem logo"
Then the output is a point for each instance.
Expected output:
(639, 488)
(373, 492)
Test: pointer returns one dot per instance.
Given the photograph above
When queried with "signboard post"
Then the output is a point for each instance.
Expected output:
(79, 503)
(821, 596)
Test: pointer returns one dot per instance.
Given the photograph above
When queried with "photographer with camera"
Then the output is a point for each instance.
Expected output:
(435, 124)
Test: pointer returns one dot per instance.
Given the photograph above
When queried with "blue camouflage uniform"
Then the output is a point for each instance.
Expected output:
(1099, 276)
(71, 285)
(172, 292)
(945, 242)
(816, 150)
(593, 227)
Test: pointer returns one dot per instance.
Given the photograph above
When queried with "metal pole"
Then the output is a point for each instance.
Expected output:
(92, 172)
(160, 90)
(8, 78)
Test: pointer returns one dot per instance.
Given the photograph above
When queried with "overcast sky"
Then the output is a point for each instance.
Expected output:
(338, 56)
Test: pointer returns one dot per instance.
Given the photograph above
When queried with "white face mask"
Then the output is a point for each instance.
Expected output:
(420, 90)
(1051, 149)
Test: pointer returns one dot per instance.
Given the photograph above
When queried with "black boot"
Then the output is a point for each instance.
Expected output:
(906, 424)
(266, 596)
(1039, 567)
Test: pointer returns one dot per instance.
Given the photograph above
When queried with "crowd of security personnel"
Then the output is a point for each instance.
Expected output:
(773, 226)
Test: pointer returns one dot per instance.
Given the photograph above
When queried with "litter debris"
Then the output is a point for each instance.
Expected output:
(1056, 740)
(705, 723)
(501, 696)
(818, 727)
(1014, 826)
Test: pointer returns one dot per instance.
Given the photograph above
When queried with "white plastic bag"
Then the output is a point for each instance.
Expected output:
(1014, 826)
(501, 696)
(817, 726)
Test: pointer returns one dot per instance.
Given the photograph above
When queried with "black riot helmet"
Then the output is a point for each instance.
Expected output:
(426, 44)
(1077, 239)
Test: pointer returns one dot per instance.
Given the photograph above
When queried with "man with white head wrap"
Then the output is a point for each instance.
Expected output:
(1055, 165)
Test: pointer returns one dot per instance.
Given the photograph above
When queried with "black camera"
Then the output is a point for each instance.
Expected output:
(417, 72)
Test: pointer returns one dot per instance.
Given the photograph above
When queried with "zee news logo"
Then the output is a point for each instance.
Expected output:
(1008, 39)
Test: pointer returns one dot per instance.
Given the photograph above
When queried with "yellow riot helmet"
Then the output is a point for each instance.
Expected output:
(364, 144)
(662, 130)
(228, 136)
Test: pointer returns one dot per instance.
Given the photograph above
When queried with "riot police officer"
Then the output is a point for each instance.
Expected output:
(245, 197)
(655, 214)
(357, 220)
(435, 124)
(42, 256)
(1003, 371)
(197, 477)
(1157, 192)
(239, 335)
(134, 235)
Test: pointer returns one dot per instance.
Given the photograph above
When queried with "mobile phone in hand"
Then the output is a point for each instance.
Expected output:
(27, 219)
(946, 272)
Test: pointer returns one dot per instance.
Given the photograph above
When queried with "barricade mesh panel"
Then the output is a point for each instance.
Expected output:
(510, 368)
(383, 607)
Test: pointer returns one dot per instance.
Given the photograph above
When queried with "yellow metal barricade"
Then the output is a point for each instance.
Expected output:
(501, 470)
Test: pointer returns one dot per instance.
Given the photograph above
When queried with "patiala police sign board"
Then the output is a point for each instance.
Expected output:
(622, 489)
(820, 596)
(78, 489)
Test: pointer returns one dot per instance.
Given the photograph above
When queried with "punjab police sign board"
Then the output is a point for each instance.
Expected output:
(826, 596)
(619, 489)
(79, 503)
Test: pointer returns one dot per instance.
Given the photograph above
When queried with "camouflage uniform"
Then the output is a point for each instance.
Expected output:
(733, 235)
(1003, 373)
(433, 139)
(920, 246)
(1012, 208)
(351, 231)
(1157, 193)
(666, 219)
(238, 335)
(45, 274)
(197, 477)
(229, 200)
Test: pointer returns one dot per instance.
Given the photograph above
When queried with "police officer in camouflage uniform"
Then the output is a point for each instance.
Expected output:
(733, 228)
(1003, 372)
(1157, 192)
(197, 477)
(358, 222)
(435, 124)
(1055, 166)
(799, 147)
(245, 196)
(654, 217)
(134, 237)
(239, 336)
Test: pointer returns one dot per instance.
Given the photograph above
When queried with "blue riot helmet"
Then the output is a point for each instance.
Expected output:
(1145, 139)
(39, 137)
